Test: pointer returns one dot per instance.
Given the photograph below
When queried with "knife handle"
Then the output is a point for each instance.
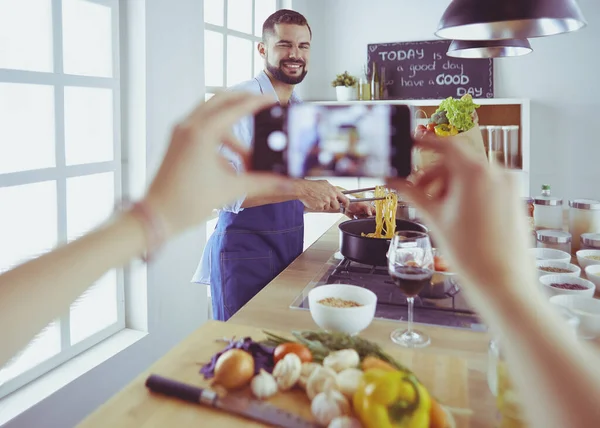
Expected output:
(173, 388)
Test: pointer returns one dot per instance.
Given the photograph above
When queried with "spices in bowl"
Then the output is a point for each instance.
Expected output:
(568, 286)
(594, 258)
(552, 269)
(336, 302)
(564, 283)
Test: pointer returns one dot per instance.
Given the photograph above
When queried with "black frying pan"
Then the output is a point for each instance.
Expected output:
(369, 251)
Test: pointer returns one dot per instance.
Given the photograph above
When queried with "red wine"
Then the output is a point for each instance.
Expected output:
(411, 280)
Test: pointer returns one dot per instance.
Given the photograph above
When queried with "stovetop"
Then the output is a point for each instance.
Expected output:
(450, 310)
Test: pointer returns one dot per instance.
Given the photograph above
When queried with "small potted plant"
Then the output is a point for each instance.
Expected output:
(345, 87)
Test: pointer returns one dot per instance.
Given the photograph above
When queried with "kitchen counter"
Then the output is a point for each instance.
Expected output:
(271, 307)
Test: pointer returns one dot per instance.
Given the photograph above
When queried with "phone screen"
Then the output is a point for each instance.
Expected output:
(347, 140)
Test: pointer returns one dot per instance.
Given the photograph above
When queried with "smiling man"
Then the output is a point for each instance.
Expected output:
(256, 238)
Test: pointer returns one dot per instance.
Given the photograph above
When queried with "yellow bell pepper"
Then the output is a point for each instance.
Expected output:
(391, 399)
(445, 130)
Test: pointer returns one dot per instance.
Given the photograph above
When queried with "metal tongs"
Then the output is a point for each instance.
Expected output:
(366, 189)
(350, 192)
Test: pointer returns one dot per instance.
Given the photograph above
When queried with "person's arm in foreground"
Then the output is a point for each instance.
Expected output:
(478, 220)
(36, 292)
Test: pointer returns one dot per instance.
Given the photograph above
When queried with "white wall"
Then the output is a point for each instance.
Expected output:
(560, 78)
(173, 38)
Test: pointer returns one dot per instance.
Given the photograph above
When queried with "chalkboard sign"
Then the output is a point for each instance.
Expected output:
(422, 70)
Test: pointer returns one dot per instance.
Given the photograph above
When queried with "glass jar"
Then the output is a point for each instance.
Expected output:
(590, 241)
(529, 209)
(548, 212)
(555, 239)
(584, 217)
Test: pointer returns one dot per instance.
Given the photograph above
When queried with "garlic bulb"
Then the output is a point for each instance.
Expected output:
(329, 405)
(345, 422)
(305, 372)
(263, 385)
(348, 381)
(287, 371)
(341, 360)
(321, 379)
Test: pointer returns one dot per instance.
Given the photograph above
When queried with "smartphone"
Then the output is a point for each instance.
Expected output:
(340, 140)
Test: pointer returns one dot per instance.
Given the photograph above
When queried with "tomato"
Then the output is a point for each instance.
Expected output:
(431, 127)
(292, 348)
(440, 264)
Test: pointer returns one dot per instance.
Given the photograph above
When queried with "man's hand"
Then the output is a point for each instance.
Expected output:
(321, 196)
(360, 210)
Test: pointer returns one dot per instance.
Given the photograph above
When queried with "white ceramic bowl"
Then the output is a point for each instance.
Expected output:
(345, 320)
(550, 291)
(574, 269)
(550, 254)
(593, 274)
(587, 309)
(583, 262)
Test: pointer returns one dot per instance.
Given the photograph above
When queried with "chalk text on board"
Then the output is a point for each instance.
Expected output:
(402, 55)
(474, 92)
(411, 83)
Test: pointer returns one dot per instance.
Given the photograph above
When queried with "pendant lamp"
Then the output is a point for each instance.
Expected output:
(489, 48)
(509, 19)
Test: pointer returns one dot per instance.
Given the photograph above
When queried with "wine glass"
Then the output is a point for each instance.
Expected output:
(410, 264)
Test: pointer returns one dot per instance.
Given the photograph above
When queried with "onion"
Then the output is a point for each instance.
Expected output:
(234, 369)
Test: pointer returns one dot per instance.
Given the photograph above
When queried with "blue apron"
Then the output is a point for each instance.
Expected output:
(249, 249)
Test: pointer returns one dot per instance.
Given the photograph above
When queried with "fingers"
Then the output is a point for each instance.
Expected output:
(235, 146)
(415, 195)
(233, 108)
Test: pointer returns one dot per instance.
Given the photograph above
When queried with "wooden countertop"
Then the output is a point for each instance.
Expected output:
(270, 309)
(134, 407)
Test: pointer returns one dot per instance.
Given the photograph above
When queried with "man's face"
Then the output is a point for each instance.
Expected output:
(287, 53)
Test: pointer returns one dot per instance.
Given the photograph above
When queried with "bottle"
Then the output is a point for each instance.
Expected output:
(383, 89)
(374, 82)
(548, 212)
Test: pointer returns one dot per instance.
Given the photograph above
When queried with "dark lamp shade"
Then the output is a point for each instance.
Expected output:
(489, 48)
(509, 19)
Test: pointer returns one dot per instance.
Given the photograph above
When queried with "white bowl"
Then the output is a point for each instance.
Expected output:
(574, 269)
(583, 262)
(587, 309)
(562, 278)
(345, 320)
(593, 274)
(550, 254)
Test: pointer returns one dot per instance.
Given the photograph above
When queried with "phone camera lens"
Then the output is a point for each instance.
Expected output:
(277, 141)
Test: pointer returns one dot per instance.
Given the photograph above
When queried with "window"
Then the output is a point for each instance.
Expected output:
(232, 30)
(60, 158)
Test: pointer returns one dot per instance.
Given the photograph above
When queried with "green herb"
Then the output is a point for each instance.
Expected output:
(321, 344)
(459, 111)
(344, 79)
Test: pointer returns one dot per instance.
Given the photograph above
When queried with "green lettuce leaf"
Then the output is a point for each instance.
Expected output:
(459, 111)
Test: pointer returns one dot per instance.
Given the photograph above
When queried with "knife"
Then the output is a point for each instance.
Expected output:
(248, 408)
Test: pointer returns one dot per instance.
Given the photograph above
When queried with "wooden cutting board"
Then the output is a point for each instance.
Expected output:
(135, 406)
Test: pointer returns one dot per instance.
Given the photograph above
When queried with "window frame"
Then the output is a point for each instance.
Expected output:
(61, 172)
(226, 31)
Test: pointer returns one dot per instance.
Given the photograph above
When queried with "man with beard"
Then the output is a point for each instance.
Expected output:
(256, 238)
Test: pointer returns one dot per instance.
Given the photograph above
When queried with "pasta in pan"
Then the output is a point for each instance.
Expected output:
(385, 214)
